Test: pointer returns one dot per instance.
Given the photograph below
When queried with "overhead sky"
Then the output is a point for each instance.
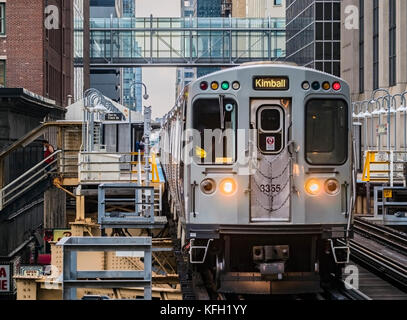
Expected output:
(160, 82)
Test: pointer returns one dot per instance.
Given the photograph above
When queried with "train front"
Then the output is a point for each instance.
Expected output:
(269, 183)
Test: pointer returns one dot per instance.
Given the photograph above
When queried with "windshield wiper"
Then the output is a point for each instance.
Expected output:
(222, 113)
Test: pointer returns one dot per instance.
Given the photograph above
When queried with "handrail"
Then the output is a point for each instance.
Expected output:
(35, 133)
(31, 170)
(26, 184)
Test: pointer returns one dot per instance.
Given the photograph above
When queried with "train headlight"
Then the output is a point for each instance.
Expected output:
(208, 186)
(332, 187)
(228, 186)
(313, 187)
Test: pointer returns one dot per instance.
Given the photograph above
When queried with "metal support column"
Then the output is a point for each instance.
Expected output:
(112, 279)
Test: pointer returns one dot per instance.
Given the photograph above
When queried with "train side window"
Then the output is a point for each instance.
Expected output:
(215, 140)
(326, 132)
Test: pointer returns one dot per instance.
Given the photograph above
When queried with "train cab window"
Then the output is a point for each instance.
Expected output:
(326, 133)
(215, 123)
(270, 124)
(270, 119)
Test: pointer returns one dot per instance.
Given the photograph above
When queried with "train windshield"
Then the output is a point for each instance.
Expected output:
(214, 121)
(326, 132)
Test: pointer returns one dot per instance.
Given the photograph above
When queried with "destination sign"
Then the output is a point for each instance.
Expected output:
(270, 83)
(113, 117)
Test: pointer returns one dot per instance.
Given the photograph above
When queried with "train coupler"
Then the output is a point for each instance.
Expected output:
(271, 260)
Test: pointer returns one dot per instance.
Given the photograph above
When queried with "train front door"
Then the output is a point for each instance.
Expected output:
(270, 179)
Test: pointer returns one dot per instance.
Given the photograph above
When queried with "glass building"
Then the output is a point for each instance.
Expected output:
(185, 75)
(107, 81)
(208, 8)
(117, 84)
(314, 34)
(78, 12)
(131, 93)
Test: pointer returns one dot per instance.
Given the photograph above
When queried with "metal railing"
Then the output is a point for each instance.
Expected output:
(105, 167)
(384, 166)
(74, 279)
(27, 180)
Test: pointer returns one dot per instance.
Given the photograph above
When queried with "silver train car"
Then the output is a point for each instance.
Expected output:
(259, 165)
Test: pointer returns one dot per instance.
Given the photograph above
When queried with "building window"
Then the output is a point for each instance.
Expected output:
(362, 46)
(2, 73)
(375, 44)
(2, 18)
(392, 43)
(277, 2)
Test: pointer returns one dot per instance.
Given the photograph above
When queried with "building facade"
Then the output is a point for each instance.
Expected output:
(107, 81)
(208, 9)
(117, 84)
(131, 93)
(33, 56)
(314, 34)
(258, 8)
(374, 47)
(185, 75)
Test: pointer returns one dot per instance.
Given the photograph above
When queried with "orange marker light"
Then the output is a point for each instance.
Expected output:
(228, 186)
(326, 86)
(313, 187)
(214, 85)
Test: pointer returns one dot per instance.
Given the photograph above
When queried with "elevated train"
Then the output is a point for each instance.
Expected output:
(260, 172)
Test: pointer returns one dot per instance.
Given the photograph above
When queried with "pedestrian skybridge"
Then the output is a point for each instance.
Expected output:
(183, 42)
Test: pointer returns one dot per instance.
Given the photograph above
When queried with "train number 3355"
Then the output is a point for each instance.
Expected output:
(270, 188)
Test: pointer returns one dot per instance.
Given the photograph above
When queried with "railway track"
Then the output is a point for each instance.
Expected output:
(389, 237)
(382, 251)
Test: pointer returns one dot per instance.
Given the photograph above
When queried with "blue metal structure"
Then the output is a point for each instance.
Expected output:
(74, 279)
(142, 198)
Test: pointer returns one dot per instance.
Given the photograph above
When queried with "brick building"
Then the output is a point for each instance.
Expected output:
(33, 57)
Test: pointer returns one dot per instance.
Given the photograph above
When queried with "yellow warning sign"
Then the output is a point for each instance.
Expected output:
(387, 193)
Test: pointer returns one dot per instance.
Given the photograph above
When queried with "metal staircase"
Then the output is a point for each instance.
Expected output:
(384, 167)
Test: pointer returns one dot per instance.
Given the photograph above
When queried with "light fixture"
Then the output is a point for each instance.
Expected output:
(203, 85)
(402, 108)
(225, 85)
(214, 85)
(228, 186)
(208, 186)
(336, 86)
(316, 85)
(305, 85)
(332, 187)
(313, 187)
